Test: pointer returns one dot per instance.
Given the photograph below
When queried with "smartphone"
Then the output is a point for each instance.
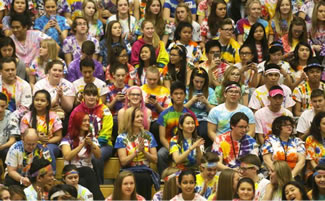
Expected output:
(152, 96)
(249, 63)
(216, 56)
(52, 17)
(199, 94)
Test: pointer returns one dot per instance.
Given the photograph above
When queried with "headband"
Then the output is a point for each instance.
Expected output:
(57, 194)
(71, 172)
(42, 171)
(231, 86)
(172, 176)
(209, 165)
(314, 65)
(318, 172)
(276, 45)
(272, 70)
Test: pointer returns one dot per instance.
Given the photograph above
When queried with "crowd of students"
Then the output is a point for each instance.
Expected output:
(225, 97)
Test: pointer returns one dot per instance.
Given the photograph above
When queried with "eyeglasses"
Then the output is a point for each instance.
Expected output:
(245, 53)
(228, 30)
(243, 169)
(132, 94)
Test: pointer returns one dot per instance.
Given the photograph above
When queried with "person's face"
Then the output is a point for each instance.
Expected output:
(285, 7)
(20, 6)
(7, 51)
(9, 71)
(124, 57)
(40, 102)
(56, 72)
(48, 178)
(90, 99)
(320, 181)
(90, 9)
(186, 34)
(145, 54)
(188, 125)
(181, 14)
(247, 170)
(178, 96)
(240, 130)
(17, 29)
(30, 143)
(155, 7)
(255, 10)
(175, 58)
(286, 129)
(85, 125)
(128, 186)
(321, 13)
(303, 52)
(50, 7)
(276, 101)
(88, 73)
(245, 191)
(198, 82)
(221, 10)
(226, 31)
(3, 107)
(297, 30)
(119, 76)
(5, 195)
(135, 97)
(276, 57)
(273, 177)
(123, 7)
(272, 78)
(72, 179)
(232, 95)
(116, 30)
(187, 184)
(234, 75)
(245, 54)
(314, 75)
(43, 50)
(259, 33)
(292, 192)
(152, 79)
(209, 172)
(318, 103)
(214, 51)
(235, 181)
(82, 26)
(138, 119)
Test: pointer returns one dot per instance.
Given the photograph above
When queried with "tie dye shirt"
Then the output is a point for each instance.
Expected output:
(231, 150)
(220, 116)
(55, 123)
(284, 151)
(131, 146)
(169, 119)
(190, 161)
(213, 183)
(314, 150)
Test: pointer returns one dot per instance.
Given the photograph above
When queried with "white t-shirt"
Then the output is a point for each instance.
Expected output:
(264, 118)
(80, 84)
(283, 64)
(304, 121)
(260, 191)
(124, 23)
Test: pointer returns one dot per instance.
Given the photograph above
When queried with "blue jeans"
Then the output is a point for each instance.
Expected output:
(98, 163)
(163, 159)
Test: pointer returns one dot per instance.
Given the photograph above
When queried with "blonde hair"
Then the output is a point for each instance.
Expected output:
(249, 4)
(189, 13)
(52, 51)
(155, 38)
(95, 17)
(226, 74)
(277, 18)
(170, 187)
(283, 173)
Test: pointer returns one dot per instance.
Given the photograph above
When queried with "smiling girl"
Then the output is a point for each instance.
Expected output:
(293, 190)
(245, 190)
(186, 187)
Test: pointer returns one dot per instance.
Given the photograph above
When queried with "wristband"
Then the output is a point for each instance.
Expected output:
(21, 180)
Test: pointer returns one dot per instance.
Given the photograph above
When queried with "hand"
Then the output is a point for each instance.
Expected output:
(25, 181)
(120, 97)
(79, 97)
(88, 140)
(253, 67)
(203, 99)
(141, 144)
(317, 48)
(48, 25)
(43, 138)
(152, 101)
(303, 77)
(129, 37)
(215, 62)
(59, 91)
(197, 144)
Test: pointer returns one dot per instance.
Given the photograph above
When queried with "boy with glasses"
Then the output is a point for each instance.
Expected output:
(229, 46)
(218, 119)
(234, 144)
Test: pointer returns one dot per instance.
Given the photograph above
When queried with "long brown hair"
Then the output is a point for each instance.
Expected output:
(117, 193)
(157, 20)
(277, 18)
(314, 20)
(225, 185)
